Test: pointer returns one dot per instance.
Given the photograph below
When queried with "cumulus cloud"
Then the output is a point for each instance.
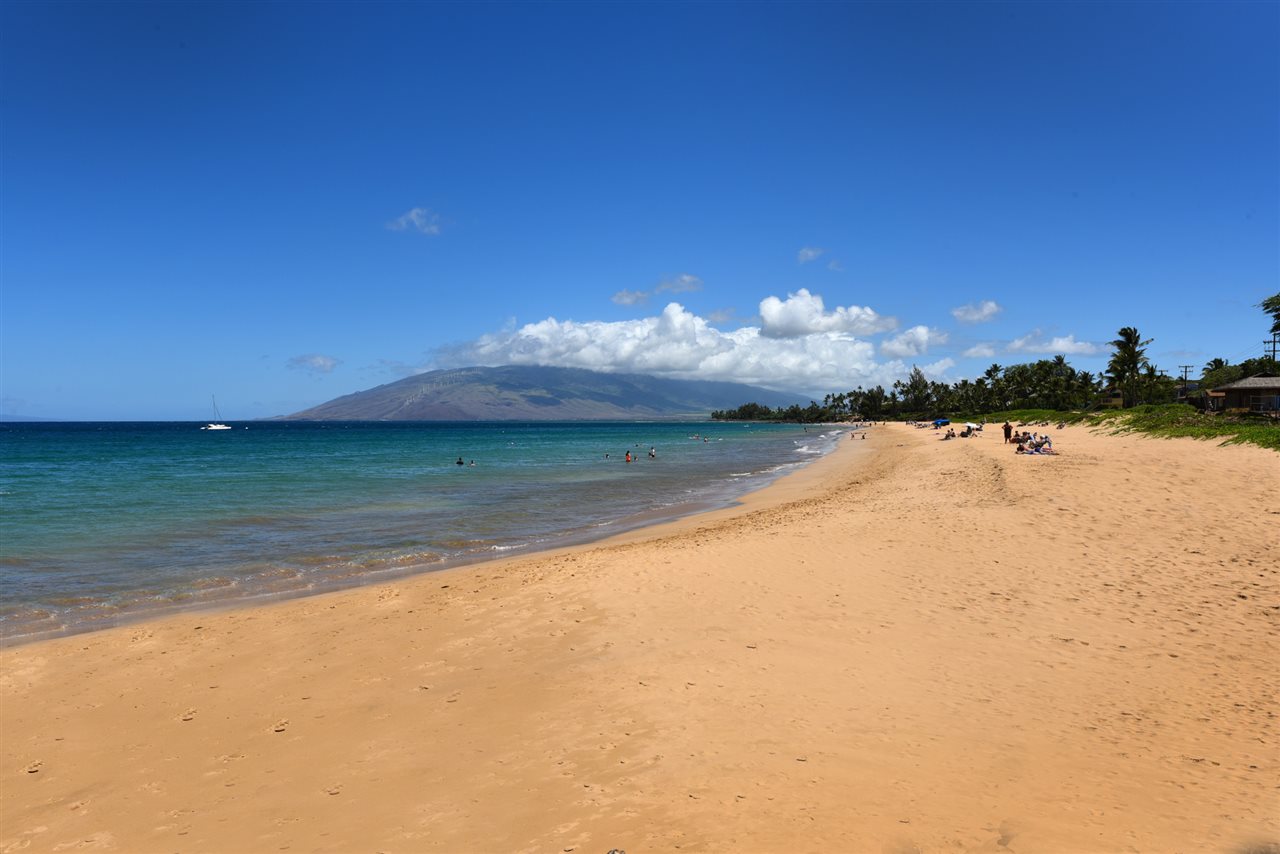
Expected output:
(1035, 343)
(912, 342)
(809, 253)
(979, 351)
(803, 313)
(682, 283)
(417, 219)
(315, 363)
(938, 370)
(835, 266)
(681, 345)
(979, 313)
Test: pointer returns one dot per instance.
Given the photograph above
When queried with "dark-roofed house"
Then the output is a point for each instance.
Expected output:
(1257, 394)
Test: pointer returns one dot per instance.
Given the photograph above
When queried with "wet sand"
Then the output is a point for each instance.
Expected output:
(912, 645)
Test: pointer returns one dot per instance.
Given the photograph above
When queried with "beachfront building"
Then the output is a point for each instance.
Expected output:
(1255, 394)
(1111, 398)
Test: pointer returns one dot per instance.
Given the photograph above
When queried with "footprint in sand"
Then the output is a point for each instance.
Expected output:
(281, 725)
(34, 767)
(189, 714)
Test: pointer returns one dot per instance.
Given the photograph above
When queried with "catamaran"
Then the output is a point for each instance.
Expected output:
(216, 424)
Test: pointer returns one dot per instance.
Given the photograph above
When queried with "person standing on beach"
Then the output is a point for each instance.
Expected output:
(1008, 431)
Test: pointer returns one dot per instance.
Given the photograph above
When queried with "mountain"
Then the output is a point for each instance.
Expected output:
(530, 393)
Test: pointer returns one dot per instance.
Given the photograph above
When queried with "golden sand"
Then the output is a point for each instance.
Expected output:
(912, 645)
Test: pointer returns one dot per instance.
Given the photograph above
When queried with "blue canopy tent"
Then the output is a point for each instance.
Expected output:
(941, 422)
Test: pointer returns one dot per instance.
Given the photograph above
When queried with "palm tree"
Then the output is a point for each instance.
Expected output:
(1127, 362)
(1215, 365)
(1271, 305)
(996, 385)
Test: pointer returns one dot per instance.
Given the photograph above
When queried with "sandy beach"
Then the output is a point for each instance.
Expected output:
(910, 646)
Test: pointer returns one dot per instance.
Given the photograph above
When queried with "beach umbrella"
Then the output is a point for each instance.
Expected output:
(971, 425)
(941, 421)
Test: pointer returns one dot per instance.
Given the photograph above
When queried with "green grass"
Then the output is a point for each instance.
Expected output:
(1168, 420)
(1178, 419)
(1033, 416)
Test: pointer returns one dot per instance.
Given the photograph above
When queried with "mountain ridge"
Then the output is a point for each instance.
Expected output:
(539, 393)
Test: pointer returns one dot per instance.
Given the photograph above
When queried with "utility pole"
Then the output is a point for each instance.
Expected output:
(1273, 345)
(1186, 369)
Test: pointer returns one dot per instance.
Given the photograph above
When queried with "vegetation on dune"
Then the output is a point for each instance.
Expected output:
(1170, 420)
(1179, 420)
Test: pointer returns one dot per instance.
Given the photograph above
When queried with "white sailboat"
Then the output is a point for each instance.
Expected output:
(216, 424)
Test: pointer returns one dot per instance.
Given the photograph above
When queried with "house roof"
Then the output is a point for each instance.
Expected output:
(1250, 383)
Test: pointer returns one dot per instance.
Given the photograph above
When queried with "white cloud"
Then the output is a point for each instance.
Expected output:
(626, 297)
(803, 313)
(979, 313)
(681, 345)
(937, 371)
(912, 342)
(671, 285)
(809, 253)
(419, 219)
(1063, 345)
(979, 351)
(835, 266)
(314, 363)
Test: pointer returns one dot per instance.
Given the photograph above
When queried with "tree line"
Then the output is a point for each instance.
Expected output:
(1131, 379)
(1046, 384)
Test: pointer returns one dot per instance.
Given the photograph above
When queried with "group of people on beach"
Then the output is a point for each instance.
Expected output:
(1027, 442)
(1033, 443)
(969, 430)
(853, 434)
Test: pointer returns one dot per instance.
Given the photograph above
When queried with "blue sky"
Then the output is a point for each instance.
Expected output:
(282, 203)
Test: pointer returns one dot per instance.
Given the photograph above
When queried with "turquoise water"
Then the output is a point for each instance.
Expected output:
(101, 523)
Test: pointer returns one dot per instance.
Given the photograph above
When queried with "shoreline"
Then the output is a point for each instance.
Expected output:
(229, 593)
(931, 645)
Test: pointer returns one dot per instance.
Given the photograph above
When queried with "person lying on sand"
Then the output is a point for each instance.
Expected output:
(1035, 446)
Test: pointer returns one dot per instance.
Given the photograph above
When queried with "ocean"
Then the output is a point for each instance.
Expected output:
(106, 523)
